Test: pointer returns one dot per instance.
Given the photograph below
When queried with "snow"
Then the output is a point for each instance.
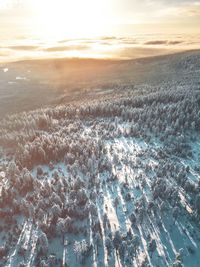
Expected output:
(169, 238)
(131, 176)
(21, 78)
(61, 168)
(2, 175)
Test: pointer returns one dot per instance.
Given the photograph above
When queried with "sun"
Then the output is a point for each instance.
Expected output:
(68, 18)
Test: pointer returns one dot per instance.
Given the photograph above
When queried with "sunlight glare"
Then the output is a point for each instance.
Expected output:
(67, 18)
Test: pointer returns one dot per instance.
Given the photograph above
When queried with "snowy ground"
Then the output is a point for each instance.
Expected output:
(172, 236)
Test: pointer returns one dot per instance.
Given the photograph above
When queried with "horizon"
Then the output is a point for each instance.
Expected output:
(93, 29)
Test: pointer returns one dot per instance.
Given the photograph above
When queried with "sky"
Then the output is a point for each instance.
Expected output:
(39, 27)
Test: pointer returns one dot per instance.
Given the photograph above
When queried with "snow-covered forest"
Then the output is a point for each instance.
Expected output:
(105, 182)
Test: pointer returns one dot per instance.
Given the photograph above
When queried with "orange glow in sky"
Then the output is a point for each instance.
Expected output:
(41, 24)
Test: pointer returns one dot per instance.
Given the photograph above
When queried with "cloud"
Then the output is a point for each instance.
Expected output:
(156, 42)
(128, 41)
(173, 2)
(66, 48)
(48, 49)
(163, 42)
(63, 41)
(24, 47)
(76, 41)
(174, 42)
(4, 53)
(108, 38)
(164, 11)
(140, 52)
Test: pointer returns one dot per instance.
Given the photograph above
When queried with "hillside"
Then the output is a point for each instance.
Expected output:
(104, 171)
(27, 85)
